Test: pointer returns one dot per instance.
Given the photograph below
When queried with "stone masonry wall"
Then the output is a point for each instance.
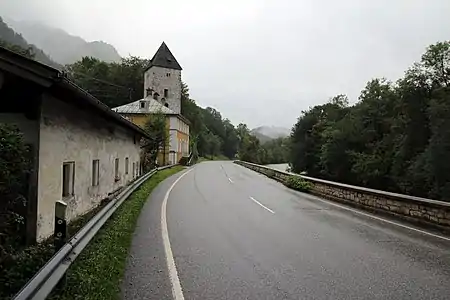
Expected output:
(415, 208)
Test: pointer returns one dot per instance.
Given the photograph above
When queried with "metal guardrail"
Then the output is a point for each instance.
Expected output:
(46, 279)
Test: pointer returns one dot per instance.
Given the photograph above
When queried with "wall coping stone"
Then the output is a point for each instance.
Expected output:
(394, 196)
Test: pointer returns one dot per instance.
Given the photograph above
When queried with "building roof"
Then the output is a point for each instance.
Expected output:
(164, 58)
(56, 83)
(151, 106)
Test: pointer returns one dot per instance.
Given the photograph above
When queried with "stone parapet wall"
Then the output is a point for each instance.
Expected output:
(410, 207)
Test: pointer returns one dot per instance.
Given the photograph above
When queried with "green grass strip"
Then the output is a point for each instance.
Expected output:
(98, 271)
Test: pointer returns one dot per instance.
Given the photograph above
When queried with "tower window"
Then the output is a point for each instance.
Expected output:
(166, 93)
(167, 74)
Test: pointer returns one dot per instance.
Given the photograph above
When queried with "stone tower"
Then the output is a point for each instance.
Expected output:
(162, 79)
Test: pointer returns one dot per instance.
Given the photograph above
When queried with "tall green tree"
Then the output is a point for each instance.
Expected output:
(156, 127)
(396, 137)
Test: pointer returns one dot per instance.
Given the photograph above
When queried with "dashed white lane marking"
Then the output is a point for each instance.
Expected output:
(386, 221)
(262, 205)
(229, 179)
(177, 291)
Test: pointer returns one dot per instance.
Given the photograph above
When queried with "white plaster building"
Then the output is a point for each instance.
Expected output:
(82, 151)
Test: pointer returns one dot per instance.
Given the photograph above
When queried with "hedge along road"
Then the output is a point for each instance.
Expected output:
(235, 234)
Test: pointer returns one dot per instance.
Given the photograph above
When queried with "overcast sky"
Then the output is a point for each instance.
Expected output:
(259, 62)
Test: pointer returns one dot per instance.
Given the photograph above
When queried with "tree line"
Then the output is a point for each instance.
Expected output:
(395, 138)
(211, 134)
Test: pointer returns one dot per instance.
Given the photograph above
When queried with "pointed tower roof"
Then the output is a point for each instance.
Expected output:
(164, 58)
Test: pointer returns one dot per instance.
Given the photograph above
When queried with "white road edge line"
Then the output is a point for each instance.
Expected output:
(387, 221)
(229, 179)
(262, 205)
(177, 291)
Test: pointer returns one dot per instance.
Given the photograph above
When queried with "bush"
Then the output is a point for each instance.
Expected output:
(14, 169)
(298, 183)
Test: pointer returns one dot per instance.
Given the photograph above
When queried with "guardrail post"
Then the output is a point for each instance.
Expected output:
(60, 234)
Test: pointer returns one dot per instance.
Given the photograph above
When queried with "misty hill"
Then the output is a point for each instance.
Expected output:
(267, 133)
(10, 39)
(61, 46)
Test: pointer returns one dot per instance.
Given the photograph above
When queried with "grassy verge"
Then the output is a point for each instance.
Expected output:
(98, 271)
(18, 268)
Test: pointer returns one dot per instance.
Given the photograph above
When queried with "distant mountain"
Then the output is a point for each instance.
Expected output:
(16, 42)
(266, 133)
(61, 46)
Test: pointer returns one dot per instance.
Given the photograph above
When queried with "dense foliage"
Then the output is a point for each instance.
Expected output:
(14, 167)
(396, 137)
(156, 127)
(114, 84)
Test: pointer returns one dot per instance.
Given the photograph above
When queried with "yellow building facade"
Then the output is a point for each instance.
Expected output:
(177, 144)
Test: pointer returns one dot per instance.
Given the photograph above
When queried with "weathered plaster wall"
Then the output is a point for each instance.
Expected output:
(70, 134)
(159, 79)
(413, 208)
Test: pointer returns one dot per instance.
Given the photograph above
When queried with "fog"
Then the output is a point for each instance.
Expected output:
(259, 62)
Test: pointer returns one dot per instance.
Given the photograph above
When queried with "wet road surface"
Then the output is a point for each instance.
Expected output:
(235, 234)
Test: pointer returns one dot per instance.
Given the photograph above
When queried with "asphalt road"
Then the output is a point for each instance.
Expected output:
(236, 234)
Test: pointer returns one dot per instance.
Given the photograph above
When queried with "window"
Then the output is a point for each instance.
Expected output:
(142, 104)
(167, 74)
(137, 173)
(116, 170)
(126, 165)
(68, 179)
(166, 104)
(134, 167)
(95, 172)
(166, 93)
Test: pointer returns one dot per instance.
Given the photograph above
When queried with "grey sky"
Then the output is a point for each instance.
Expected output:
(259, 62)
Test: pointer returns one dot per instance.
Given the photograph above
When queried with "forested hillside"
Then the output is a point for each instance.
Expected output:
(397, 137)
(60, 45)
(11, 40)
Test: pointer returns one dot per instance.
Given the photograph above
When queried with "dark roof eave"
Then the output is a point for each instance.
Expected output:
(156, 65)
(50, 77)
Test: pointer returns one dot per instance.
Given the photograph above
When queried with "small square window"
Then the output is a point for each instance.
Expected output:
(166, 93)
(68, 179)
(142, 104)
(95, 172)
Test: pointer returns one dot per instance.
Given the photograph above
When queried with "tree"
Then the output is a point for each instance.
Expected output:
(14, 171)
(156, 127)
(395, 138)
(114, 84)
